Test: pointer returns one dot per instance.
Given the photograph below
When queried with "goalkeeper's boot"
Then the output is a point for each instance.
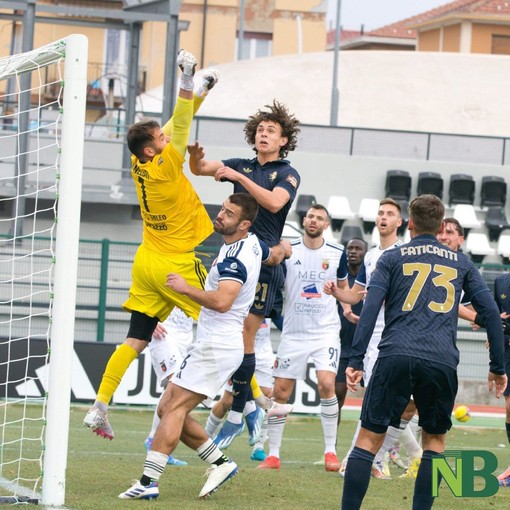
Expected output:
(97, 421)
(208, 80)
(504, 474)
(187, 62)
(139, 491)
(272, 407)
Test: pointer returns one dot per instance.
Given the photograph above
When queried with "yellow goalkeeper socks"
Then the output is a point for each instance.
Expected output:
(255, 388)
(115, 369)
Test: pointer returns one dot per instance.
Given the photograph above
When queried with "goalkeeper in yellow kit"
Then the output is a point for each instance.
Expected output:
(174, 222)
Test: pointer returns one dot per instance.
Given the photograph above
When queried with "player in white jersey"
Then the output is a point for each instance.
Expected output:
(255, 418)
(217, 351)
(310, 330)
(168, 347)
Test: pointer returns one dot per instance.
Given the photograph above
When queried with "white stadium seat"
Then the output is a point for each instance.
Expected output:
(478, 246)
(466, 215)
(339, 210)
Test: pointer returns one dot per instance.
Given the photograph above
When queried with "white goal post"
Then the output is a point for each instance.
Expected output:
(41, 148)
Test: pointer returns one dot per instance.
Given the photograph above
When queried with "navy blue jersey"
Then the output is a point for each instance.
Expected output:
(502, 292)
(421, 284)
(268, 226)
(348, 328)
(502, 297)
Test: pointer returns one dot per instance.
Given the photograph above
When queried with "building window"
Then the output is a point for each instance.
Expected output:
(500, 45)
(255, 45)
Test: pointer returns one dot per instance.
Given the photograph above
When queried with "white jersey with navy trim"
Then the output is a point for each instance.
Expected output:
(365, 274)
(309, 312)
(239, 261)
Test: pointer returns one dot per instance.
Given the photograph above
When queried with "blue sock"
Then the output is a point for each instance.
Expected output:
(423, 499)
(357, 478)
(241, 382)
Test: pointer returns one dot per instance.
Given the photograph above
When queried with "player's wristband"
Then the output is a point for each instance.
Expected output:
(479, 321)
(187, 82)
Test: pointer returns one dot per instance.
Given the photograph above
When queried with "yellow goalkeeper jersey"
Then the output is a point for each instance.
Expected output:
(174, 218)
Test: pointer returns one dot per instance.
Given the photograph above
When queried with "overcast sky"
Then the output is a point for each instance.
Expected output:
(377, 13)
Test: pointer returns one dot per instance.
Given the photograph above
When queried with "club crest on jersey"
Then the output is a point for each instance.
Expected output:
(282, 364)
(160, 161)
(325, 264)
(503, 296)
(310, 292)
(247, 170)
(272, 176)
(292, 180)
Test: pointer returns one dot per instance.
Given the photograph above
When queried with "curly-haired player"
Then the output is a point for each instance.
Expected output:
(271, 180)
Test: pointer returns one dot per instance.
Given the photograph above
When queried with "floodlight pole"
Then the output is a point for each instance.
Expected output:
(335, 94)
(241, 31)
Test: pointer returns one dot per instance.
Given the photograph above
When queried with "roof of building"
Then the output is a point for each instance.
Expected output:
(416, 91)
(406, 28)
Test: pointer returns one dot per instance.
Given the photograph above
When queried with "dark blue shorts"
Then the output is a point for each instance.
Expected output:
(342, 365)
(395, 380)
(268, 296)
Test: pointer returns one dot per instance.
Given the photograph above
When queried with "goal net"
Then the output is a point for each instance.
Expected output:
(42, 120)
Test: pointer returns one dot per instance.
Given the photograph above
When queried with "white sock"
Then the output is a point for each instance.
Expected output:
(392, 436)
(212, 425)
(235, 417)
(249, 407)
(209, 452)
(154, 465)
(354, 439)
(329, 417)
(415, 428)
(276, 424)
(410, 444)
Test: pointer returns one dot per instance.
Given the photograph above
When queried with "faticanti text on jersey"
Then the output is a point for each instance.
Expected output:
(428, 248)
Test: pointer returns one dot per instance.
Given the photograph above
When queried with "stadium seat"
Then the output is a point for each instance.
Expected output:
(339, 210)
(503, 248)
(350, 231)
(303, 203)
(478, 246)
(430, 182)
(398, 185)
(291, 231)
(466, 215)
(495, 221)
(462, 189)
(329, 235)
(368, 209)
(493, 192)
